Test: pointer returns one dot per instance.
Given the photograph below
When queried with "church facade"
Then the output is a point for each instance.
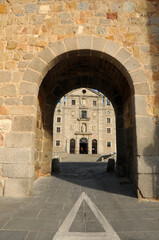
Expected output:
(84, 123)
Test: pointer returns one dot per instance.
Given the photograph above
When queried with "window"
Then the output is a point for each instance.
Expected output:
(58, 129)
(73, 102)
(94, 103)
(108, 102)
(84, 114)
(84, 91)
(58, 119)
(57, 142)
(108, 130)
(108, 120)
(108, 144)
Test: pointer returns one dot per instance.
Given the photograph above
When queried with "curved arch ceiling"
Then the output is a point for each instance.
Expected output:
(86, 69)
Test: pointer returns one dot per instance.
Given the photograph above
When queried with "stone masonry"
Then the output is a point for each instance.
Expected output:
(41, 42)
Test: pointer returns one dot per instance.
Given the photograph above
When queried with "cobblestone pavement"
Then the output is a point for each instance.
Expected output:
(81, 202)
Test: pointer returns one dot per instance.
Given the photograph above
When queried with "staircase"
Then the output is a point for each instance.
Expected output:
(81, 158)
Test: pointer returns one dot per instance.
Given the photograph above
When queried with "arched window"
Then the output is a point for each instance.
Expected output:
(72, 145)
(94, 146)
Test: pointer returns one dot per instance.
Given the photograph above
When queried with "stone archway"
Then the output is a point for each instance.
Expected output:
(127, 70)
(83, 147)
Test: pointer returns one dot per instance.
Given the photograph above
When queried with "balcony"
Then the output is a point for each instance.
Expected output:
(83, 133)
(83, 119)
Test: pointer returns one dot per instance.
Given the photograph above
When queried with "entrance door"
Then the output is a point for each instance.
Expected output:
(94, 146)
(72, 145)
(83, 146)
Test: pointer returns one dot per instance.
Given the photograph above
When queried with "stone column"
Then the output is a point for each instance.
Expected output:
(18, 157)
(120, 145)
(146, 149)
(89, 145)
(68, 145)
(47, 140)
(77, 146)
(146, 156)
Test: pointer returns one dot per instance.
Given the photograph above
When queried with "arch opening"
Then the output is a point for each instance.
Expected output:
(72, 146)
(94, 146)
(88, 69)
(83, 148)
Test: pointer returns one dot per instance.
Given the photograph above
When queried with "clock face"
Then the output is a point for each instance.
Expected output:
(108, 112)
(83, 102)
(94, 114)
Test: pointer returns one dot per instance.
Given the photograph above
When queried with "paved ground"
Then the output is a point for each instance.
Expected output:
(82, 202)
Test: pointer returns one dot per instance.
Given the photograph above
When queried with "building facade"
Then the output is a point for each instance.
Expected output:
(84, 123)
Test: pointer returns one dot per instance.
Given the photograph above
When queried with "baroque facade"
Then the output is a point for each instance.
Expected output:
(84, 123)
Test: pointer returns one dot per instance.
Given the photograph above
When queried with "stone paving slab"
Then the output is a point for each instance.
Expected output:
(40, 236)
(145, 213)
(30, 224)
(3, 221)
(93, 226)
(135, 225)
(27, 213)
(12, 235)
(40, 217)
(152, 235)
(78, 226)
(132, 236)
(54, 214)
(117, 214)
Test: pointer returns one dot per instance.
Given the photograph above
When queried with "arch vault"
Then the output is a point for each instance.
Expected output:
(95, 63)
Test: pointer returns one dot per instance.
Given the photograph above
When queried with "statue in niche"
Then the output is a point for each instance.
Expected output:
(84, 101)
(84, 127)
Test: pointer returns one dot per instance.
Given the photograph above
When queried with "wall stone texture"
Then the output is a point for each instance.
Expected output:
(28, 27)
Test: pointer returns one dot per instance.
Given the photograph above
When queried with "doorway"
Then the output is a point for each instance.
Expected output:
(83, 146)
(72, 146)
(94, 146)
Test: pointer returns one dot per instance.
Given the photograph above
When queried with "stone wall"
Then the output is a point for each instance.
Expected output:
(39, 134)
(29, 26)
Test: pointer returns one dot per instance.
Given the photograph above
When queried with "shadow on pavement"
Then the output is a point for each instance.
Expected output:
(94, 175)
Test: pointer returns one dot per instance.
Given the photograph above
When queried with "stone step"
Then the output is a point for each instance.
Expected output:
(81, 158)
